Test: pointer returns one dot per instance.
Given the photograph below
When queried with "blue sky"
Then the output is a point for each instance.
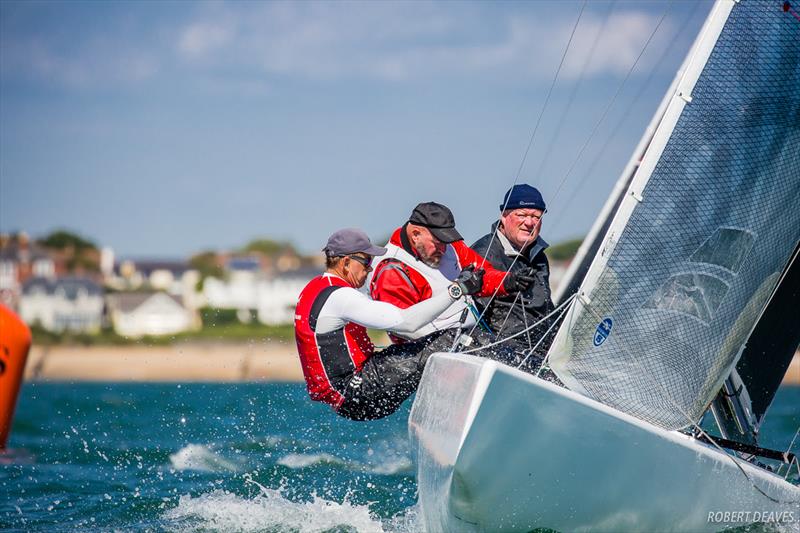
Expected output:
(161, 129)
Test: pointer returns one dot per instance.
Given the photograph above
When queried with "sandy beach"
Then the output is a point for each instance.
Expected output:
(187, 362)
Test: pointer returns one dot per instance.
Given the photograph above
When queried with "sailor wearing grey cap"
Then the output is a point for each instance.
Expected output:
(340, 363)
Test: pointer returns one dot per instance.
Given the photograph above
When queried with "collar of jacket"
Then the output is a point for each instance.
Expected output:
(530, 252)
(404, 242)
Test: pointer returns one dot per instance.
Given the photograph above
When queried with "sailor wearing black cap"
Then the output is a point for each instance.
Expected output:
(423, 258)
(340, 363)
(518, 246)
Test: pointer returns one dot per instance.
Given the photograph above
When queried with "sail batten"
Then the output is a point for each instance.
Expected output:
(706, 228)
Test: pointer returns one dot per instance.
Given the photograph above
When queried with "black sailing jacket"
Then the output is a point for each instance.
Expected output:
(532, 305)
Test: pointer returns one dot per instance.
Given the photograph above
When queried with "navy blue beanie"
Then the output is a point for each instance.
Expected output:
(523, 196)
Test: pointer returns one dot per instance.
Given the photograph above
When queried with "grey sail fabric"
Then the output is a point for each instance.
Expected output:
(699, 244)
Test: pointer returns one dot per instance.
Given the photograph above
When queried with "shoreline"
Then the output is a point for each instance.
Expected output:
(183, 362)
(272, 361)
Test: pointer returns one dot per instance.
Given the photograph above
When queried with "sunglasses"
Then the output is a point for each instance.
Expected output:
(365, 261)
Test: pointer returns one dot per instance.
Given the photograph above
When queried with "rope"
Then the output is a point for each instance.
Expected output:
(628, 110)
(510, 308)
(611, 103)
(594, 131)
(575, 87)
(539, 342)
(517, 334)
(539, 120)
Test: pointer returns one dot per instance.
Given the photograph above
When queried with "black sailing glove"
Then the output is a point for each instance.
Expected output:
(470, 280)
(518, 281)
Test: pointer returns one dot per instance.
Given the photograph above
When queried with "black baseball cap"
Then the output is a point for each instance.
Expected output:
(438, 219)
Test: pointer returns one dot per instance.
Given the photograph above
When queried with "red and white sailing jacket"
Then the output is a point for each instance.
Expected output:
(329, 359)
(402, 279)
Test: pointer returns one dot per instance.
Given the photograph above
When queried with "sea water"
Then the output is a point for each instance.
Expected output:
(218, 457)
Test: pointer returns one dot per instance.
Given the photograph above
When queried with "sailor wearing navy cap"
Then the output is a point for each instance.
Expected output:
(515, 240)
(340, 363)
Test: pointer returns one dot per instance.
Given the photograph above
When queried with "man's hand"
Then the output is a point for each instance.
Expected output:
(470, 280)
(518, 281)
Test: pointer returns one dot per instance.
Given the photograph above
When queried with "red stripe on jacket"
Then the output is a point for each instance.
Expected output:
(393, 288)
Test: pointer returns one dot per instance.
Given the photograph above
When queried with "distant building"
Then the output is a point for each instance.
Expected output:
(238, 289)
(250, 291)
(21, 260)
(174, 277)
(277, 297)
(64, 304)
(136, 314)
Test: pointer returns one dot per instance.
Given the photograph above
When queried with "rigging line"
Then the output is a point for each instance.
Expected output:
(510, 308)
(541, 339)
(791, 444)
(539, 120)
(594, 130)
(550, 92)
(628, 110)
(692, 423)
(522, 164)
(525, 319)
(611, 103)
(517, 334)
(546, 360)
(573, 92)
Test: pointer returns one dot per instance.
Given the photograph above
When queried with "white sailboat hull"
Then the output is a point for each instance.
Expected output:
(500, 450)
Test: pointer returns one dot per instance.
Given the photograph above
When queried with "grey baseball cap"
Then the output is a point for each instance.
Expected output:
(350, 241)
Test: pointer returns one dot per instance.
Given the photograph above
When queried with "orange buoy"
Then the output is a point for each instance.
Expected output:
(15, 341)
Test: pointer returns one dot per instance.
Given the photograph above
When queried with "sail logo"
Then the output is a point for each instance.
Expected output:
(603, 331)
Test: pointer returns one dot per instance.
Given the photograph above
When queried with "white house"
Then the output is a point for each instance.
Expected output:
(71, 303)
(239, 289)
(136, 314)
(277, 297)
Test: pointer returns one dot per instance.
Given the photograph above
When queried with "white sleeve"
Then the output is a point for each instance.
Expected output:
(349, 305)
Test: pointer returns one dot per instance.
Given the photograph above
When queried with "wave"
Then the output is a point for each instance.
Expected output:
(199, 458)
(269, 511)
(304, 460)
(386, 465)
(392, 465)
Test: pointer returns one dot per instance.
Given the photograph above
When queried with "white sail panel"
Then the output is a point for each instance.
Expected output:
(710, 221)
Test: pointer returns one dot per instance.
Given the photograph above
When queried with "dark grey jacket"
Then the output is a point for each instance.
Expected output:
(532, 305)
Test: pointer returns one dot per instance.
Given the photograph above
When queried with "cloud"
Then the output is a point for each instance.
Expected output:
(623, 38)
(75, 55)
(199, 39)
(101, 66)
(384, 41)
(407, 41)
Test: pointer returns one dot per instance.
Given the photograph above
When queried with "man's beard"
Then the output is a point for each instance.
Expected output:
(432, 262)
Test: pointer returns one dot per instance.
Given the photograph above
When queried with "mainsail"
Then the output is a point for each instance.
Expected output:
(709, 223)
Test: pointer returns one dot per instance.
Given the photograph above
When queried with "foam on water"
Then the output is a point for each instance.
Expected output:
(389, 458)
(199, 458)
(269, 511)
(388, 464)
(304, 460)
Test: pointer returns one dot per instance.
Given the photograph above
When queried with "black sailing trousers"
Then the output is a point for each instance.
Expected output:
(391, 375)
